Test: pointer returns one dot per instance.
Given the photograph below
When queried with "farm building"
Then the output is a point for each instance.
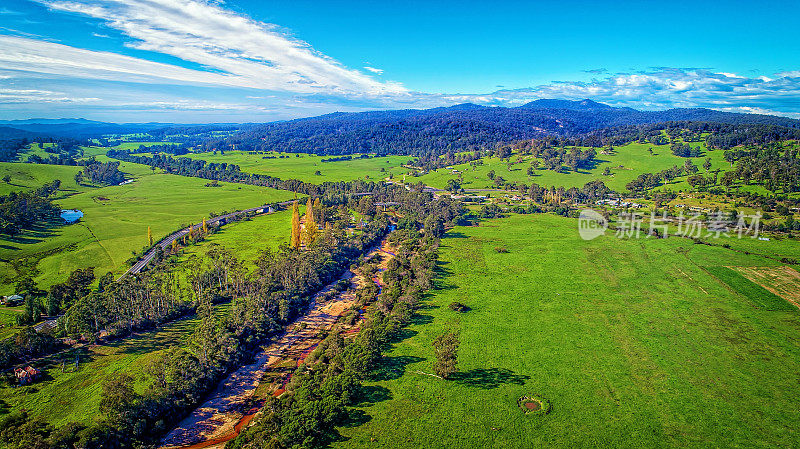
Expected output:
(12, 300)
(27, 375)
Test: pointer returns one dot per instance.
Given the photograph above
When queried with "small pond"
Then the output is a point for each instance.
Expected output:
(71, 215)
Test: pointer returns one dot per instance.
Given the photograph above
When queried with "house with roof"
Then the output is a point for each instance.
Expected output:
(13, 300)
(27, 375)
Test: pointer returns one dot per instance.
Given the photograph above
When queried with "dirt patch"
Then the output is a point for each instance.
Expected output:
(782, 281)
(532, 405)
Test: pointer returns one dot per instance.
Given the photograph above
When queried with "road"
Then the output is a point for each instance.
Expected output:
(222, 219)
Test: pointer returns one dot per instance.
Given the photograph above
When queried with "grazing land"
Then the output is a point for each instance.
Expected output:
(115, 222)
(69, 394)
(626, 162)
(32, 176)
(634, 343)
(305, 166)
(247, 238)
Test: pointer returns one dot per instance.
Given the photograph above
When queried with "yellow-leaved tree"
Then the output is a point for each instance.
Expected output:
(311, 225)
(295, 242)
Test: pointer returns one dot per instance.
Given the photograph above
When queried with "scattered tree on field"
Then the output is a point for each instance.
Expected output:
(446, 349)
(150, 236)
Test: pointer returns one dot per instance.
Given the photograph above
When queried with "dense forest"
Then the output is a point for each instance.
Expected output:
(458, 128)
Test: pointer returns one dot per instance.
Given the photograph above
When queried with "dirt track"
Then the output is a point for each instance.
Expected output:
(224, 412)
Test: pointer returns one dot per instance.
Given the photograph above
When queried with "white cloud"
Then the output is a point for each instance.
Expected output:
(31, 55)
(104, 36)
(374, 70)
(253, 54)
(39, 96)
(665, 88)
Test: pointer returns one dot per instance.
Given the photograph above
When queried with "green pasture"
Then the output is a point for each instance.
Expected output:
(632, 340)
(31, 176)
(65, 394)
(115, 223)
(626, 163)
(304, 166)
(247, 238)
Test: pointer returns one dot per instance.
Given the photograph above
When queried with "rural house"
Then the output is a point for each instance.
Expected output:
(27, 375)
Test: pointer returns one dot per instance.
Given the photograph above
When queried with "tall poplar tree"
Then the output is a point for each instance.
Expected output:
(311, 225)
(295, 242)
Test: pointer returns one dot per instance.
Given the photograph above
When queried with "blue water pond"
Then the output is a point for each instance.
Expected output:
(71, 215)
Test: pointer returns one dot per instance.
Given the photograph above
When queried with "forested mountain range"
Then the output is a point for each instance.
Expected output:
(411, 131)
(458, 128)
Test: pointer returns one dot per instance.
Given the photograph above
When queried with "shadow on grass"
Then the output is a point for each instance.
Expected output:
(355, 417)
(372, 394)
(36, 233)
(393, 367)
(158, 338)
(419, 319)
(489, 378)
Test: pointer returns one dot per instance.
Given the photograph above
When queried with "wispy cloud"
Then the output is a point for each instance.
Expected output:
(374, 70)
(9, 12)
(104, 36)
(246, 52)
(39, 96)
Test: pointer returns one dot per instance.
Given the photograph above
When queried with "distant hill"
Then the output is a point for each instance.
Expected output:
(7, 133)
(460, 127)
(78, 127)
(410, 131)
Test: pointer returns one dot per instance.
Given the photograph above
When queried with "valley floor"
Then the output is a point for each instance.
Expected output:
(634, 343)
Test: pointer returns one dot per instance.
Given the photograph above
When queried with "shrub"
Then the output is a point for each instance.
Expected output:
(458, 307)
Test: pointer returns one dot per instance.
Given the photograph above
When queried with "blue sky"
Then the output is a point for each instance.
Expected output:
(196, 61)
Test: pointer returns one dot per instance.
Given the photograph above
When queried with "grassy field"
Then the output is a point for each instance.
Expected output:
(115, 224)
(626, 163)
(632, 341)
(74, 395)
(305, 166)
(31, 176)
(248, 238)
